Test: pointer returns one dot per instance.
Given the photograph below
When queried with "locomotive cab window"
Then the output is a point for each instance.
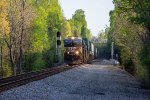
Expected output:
(72, 42)
(77, 42)
(67, 43)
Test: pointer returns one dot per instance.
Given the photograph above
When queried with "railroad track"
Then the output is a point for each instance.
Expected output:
(15, 81)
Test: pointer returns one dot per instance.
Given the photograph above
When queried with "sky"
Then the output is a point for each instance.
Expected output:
(96, 12)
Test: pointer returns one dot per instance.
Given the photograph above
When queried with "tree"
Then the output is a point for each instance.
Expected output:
(55, 22)
(71, 22)
(130, 32)
(4, 23)
(4, 31)
(66, 29)
(79, 25)
(20, 17)
(79, 21)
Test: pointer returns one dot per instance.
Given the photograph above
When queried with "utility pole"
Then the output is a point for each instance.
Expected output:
(112, 50)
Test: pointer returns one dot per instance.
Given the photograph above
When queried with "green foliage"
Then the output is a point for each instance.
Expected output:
(48, 57)
(7, 70)
(66, 29)
(83, 31)
(130, 32)
(145, 62)
(37, 22)
(71, 21)
(103, 35)
(145, 56)
(126, 60)
(80, 24)
(45, 27)
(104, 48)
(104, 51)
(41, 42)
(4, 24)
(38, 62)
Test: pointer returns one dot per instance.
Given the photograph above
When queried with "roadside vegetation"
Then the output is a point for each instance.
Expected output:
(130, 30)
(28, 34)
(104, 44)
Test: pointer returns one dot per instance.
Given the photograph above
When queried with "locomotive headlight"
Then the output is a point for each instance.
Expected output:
(77, 52)
(72, 38)
(67, 52)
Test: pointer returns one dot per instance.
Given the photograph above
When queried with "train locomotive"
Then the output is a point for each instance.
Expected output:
(76, 50)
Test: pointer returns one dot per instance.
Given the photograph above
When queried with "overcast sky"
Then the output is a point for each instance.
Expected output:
(96, 11)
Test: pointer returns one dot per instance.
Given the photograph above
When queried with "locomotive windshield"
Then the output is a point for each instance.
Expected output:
(72, 42)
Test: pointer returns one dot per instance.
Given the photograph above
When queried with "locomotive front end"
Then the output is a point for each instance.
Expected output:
(73, 50)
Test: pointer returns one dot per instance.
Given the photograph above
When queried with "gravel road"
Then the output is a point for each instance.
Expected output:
(97, 81)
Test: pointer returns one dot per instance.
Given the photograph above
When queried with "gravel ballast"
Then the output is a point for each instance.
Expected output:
(95, 81)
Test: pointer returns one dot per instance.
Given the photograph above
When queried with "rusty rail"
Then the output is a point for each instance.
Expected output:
(15, 81)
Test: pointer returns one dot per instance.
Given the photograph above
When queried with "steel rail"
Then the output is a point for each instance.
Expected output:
(22, 79)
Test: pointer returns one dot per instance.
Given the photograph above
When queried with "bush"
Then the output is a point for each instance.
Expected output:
(144, 56)
(126, 60)
(38, 63)
(34, 61)
(7, 71)
(49, 58)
